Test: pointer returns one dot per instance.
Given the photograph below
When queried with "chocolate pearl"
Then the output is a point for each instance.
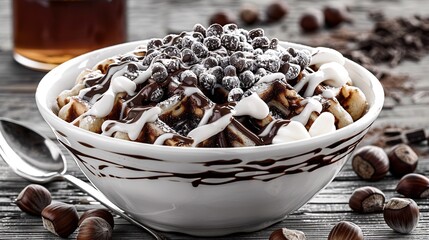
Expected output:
(224, 62)
(249, 14)
(222, 18)
(215, 30)
(210, 62)
(187, 41)
(230, 28)
(247, 79)
(293, 71)
(276, 10)
(230, 71)
(199, 28)
(237, 60)
(159, 72)
(273, 43)
(212, 43)
(198, 69)
(260, 42)
(189, 57)
(230, 41)
(147, 60)
(235, 95)
(154, 43)
(199, 49)
(188, 74)
(312, 20)
(172, 51)
(257, 32)
(217, 72)
(207, 81)
(167, 39)
(198, 36)
(230, 82)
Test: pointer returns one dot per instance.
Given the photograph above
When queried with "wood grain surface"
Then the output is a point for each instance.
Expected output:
(153, 18)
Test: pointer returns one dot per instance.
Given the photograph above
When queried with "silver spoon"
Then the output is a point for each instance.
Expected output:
(38, 159)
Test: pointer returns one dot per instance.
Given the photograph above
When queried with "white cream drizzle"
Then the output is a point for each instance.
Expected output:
(267, 129)
(311, 105)
(271, 78)
(294, 131)
(326, 55)
(333, 74)
(132, 129)
(324, 123)
(207, 114)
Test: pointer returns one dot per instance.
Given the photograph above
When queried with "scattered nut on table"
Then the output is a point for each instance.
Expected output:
(370, 163)
(402, 160)
(401, 214)
(413, 185)
(60, 218)
(33, 199)
(367, 200)
(346, 230)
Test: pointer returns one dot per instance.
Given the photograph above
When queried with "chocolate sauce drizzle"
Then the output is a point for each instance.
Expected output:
(261, 170)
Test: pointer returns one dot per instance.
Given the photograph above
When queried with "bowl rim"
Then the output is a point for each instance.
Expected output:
(361, 124)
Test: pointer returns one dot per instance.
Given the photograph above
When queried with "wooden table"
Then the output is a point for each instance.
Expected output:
(156, 18)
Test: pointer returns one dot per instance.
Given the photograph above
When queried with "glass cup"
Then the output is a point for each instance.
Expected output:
(50, 32)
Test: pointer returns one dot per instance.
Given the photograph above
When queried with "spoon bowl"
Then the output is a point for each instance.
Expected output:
(38, 159)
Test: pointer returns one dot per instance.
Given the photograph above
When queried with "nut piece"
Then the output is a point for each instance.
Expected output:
(94, 228)
(413, 185)
(222, 18)
(276, 10)
(345, 230)
(312, 20)
(60, 218)
(403, 160)
(370, 163)
(101, 213)
(249, 14)
(335, 15)
(287, 234)
(33, 199)
(367, 200)
(401, 214)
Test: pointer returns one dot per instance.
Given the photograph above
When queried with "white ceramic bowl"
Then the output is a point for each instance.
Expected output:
(205, 191)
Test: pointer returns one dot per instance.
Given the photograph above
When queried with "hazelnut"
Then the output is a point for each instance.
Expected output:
(101, 213)
(413, 185)
(367, 200)
(402, 160)
(370, 163)
(60, 218)
(94, 228)
(401, 214)
(345, 230)
(276, 10)
(335, 15)
(249, 14)
(312, 20)
(33, 199)
(222, 18)
(287, 234)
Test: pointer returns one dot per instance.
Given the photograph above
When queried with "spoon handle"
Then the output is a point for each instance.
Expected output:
(107, 203)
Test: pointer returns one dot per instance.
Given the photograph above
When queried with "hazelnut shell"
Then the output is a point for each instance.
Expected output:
(94, 228)
(413, 185)
(33, 199)
(402, 160)
(101, 213)
(367, 200)
(370, 163)
(401, 214)
(222, 18)
(60, 218)
(276, 10)
(311, 20)
(287, 234)
(345, 230)
(249, 14)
